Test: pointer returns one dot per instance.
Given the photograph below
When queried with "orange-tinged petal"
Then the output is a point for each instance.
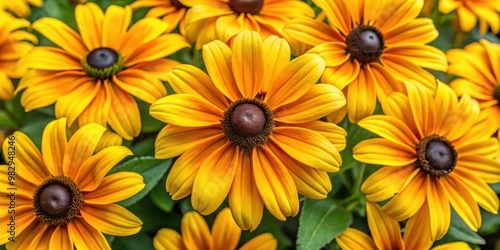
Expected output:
(49, 58)
(354, 239)
(277, 55)
(381, 151)
(181, 177)
(404, 70)
(397, 13)
(265, 241)
(187, 79)
(97, 110)
(477, 91)
(168, 239)
(217, 57)
(247, 62)
(60, 238)
(341, 75)
(28, 237)
(62, 35)
(24, 222)
(387, 181)
(480, 191)
(319, 101)
(142, 32)
(462, 201)
(338, 14)
(453, 246)
(385, 231)
(420, 29)
(225, 233)
(73, 104)
(27, 158)
(244, 197)
(111, 219)
(22, 195)
(334, 53)
(308, 147)
(485, 168)
(417, 231)
(363, 88)
(186, 110)
(93, 169)
(89, 18)
(174, 140)
(423, 109)
(409, 200)
(391, 129)
(86, 236)
(487, 148)
(160, 47)
(140, 84)
(115, 25)
(80, 147)
(275, 184)
(423, 55)
(334, 133)
(439, 208)
(115, 188)
(124, 117)
(385, 83)
(54, 143)
(398, 105)
(214, 178)
(158, 68)
(296, 78)
(195, 232)
(310, 31)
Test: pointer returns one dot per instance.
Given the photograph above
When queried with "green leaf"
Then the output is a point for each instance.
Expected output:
(161, 198)
(320, 222)
(149, 123)
(460, 231)
(151, 169)
(355, 134)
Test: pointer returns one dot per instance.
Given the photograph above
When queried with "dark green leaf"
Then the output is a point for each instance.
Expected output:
(151, 169)
(161, 198)
(320, 222)
(460, 231)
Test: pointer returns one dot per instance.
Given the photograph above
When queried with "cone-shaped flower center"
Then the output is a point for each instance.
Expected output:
(248, 123)
(177, 4)
(365, 44)
(496, 93)
(57, 201)
(246, 6)
(436, 155)
(102, 63)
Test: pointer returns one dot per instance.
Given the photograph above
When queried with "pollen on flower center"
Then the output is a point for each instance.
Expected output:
(102, 63)
(177, 4)
(246, 6)
(365, 43)
(436, 155)
(248, 123)
(57, 201)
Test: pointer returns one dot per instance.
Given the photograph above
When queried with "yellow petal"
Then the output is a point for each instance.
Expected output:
(387, 181)
(354, 239)
(248, 62)
(142, 32)
(168, 239)
(334, 133)
(462, 201)
(417, 231)
(54, 143)
(381, 151)
(341, 75)
(86, 236)
(409, 200)
(97, 110)
(423, 55)
(439, 209)
(158, 68)
(140, 84)
(467, 19)
(265, 241)
(109, 139)
(160, 47)
(115, 188)
(480, 191)
(111, 219)
(123, 115)
(60, 238)
(115, 25)
(482, 167)
(48, 58)
(89, 18)
(391, 129)
(277, 55)
(334, 53)
(362, 96)
(312, 32)
(385, 231)
(420, 29)
(62, 35)
(73, 104)
(195, 232)
(423, 109)
(225, 233)
(453, 246)
(338, 14)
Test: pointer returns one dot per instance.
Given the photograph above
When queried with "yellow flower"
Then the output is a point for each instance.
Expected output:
(478, 65)
(470, 11)
(171, 12)
(368, 46)
(209, 20)
(386, 234)
(437, 151)
(13, 45)
(62, 197)
(93, 75)
(249, 129)
(196, 235)
(20, 8)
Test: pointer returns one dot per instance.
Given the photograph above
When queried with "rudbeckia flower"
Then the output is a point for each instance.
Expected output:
(249, 129)
(20, 8)
(63, 198)
(94, 75)
(386, 234)
(478, 66)
(222, 19)
(369, 47)
(171, 12)
(469, 12)
(437, 151)
(14, 43)
(225, 234)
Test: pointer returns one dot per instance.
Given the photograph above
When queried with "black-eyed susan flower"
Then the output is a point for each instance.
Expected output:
(437, 151)
(386, 234)
(478, 66)
(369, 47)
(63, 198)
(14, 43)
(470, 12)
(222, 19)
(225, 234)
(93, 76)
(20, 8)
(249, 129)
(171, 12)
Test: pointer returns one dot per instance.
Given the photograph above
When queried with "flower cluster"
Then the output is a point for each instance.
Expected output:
(207, 124)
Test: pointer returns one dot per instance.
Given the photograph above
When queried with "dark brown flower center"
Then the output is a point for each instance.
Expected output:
(57, 201)
(246, 6)
(496, 93)
(248, 123)
(436, 155)
(177, 4)
(102, 58)
(365, 43)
